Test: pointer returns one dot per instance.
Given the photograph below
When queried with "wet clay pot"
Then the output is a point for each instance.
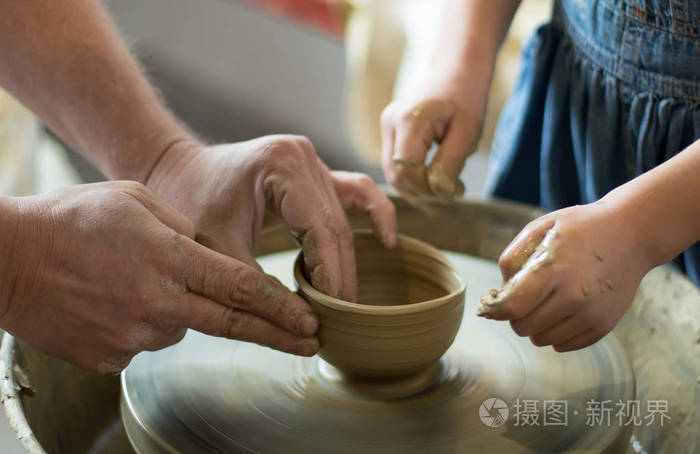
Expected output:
(408, 311)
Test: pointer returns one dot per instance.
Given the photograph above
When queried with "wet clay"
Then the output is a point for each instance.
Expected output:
(318, 273)
(428, 183)
(599, 254)
(408, 310)
(209, 394)
(519, 260)
(442, 184)
(543, 255)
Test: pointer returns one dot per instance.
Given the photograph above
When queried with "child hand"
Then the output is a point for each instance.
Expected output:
(444, 111)
(569, 276)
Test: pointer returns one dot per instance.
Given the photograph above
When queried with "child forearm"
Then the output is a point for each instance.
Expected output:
(663, 206)
(471, 34)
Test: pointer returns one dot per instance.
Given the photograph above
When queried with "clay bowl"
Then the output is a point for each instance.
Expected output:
(408, 311)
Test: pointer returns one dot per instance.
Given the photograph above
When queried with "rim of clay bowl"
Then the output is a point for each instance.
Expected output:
(338, 304)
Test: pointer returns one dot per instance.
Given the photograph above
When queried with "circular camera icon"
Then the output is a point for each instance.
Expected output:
(493, 412)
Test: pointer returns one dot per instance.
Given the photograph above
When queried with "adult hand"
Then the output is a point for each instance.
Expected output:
(449, 113)
(227, 189)
(101, 272)
(569, 276)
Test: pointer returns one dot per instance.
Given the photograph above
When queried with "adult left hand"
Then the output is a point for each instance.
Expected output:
(569, 276)
(227, 189)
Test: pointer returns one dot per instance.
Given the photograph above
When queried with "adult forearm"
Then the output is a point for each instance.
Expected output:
(471, 34)
(662, 206)
(65, 61)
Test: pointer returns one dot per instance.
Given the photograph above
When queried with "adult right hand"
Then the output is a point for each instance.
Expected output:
(447, 112)
(102, 272)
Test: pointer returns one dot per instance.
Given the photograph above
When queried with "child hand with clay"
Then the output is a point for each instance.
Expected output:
(578, 125)
(570, 275)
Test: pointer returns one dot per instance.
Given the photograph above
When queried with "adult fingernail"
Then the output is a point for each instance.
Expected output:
(307, 347)
(307, 325)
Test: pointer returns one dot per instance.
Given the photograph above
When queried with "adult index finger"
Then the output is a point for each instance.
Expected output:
(211, 318)
(234, 284)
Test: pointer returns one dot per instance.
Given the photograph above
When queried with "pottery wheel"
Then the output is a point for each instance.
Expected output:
(215, 395)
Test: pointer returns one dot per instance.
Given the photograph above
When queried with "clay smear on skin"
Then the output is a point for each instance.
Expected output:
(534, 258)
(321, 279)
(522, 257)
(543, 255)
(440, 182)
(599, 254)
(433, 181)
(414, 174)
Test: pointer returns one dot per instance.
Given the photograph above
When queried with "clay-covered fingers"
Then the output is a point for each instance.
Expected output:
(406, 139)
(458, 143)
(233, 285)
(358, 190)
(570, 276)
(528, 288)
(397, 171)
(336, 222)
(325, 236)
(408, 133)
(322, 249)
(521, 295)
(523, 246)
(302, 192)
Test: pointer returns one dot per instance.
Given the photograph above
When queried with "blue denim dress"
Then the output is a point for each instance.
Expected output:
(607, 90)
